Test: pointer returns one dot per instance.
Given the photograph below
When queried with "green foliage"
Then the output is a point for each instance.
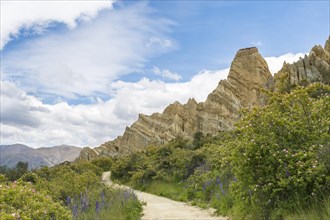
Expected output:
(176, 191)
(66, 191)
(15, 173)
(104, 163)
(273, 165)
(198, 139)
(105, 203)
(276, 154)
(3, 178)
(171, 163)
(19, 200)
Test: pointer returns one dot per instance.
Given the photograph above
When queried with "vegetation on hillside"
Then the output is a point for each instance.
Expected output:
(66, 191)
(274, 165)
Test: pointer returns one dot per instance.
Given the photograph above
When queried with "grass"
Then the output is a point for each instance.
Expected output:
(314, 213)
(175, 191)
(114, 204)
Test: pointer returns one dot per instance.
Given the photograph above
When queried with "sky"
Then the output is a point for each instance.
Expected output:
(79, 72)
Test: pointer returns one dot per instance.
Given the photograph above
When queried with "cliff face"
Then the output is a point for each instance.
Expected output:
(248, 72)
(314, 67)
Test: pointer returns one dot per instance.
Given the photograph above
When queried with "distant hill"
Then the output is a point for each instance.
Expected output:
(45, 156)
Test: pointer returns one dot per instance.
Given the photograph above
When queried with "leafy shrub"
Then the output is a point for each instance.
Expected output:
(19, 200)
(275, 163)
(276, 156)
(104, 163)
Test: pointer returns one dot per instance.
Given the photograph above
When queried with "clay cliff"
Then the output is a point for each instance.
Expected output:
(248, 73)
(314, 67)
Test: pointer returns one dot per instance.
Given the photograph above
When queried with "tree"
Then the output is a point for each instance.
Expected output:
(276, 157)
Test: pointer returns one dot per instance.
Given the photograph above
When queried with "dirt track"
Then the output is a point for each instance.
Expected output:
(160, 208)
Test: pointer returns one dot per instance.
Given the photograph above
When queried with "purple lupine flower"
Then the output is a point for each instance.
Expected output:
(287, 173)
(97, 206)
(217, 180)
(206, 184)
(68, 200)
(221, 188)
(84, 204)
(86, 196)
(217, 196)
(127, 194)
(81, 199)
(102, 199)
(75, 211)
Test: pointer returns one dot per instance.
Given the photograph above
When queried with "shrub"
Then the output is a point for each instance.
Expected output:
(276, 156)
(19, 200)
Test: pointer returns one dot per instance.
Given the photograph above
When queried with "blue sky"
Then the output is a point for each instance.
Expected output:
(79, 72)
(210, 32)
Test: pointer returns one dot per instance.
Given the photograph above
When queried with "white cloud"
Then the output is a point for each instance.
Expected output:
(83, 62)
(276, 63)
(155, 41)
(25, 119)
(166, 74)
(38, 15)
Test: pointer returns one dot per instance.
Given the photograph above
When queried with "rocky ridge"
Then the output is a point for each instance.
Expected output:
(248, 73)
(314, 67)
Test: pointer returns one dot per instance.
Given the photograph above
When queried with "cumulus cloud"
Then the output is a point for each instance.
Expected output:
(38, 15)
(166, 74)
(27, 120)
(83, 61)
(276, 63)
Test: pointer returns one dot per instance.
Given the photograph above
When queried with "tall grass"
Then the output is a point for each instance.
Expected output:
(172, 190)
(314, 212)
(107, 204)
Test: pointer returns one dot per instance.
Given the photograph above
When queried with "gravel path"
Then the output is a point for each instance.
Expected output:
(160, 208)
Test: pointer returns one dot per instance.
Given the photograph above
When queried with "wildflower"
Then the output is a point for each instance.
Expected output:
(68, 200)
(206, 184)
(97, 206)
(217, 180)
(102, 198)
(127, 194)
(287, 173)
(75, 211)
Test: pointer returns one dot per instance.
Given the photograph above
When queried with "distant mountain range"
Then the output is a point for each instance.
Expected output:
(45, 156)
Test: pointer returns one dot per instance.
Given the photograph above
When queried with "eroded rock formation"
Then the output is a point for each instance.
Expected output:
(248, 72)
(314, 67)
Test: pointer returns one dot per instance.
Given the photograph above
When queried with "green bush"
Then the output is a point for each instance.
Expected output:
(19, 200)
(276, 156)
(274, 164)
